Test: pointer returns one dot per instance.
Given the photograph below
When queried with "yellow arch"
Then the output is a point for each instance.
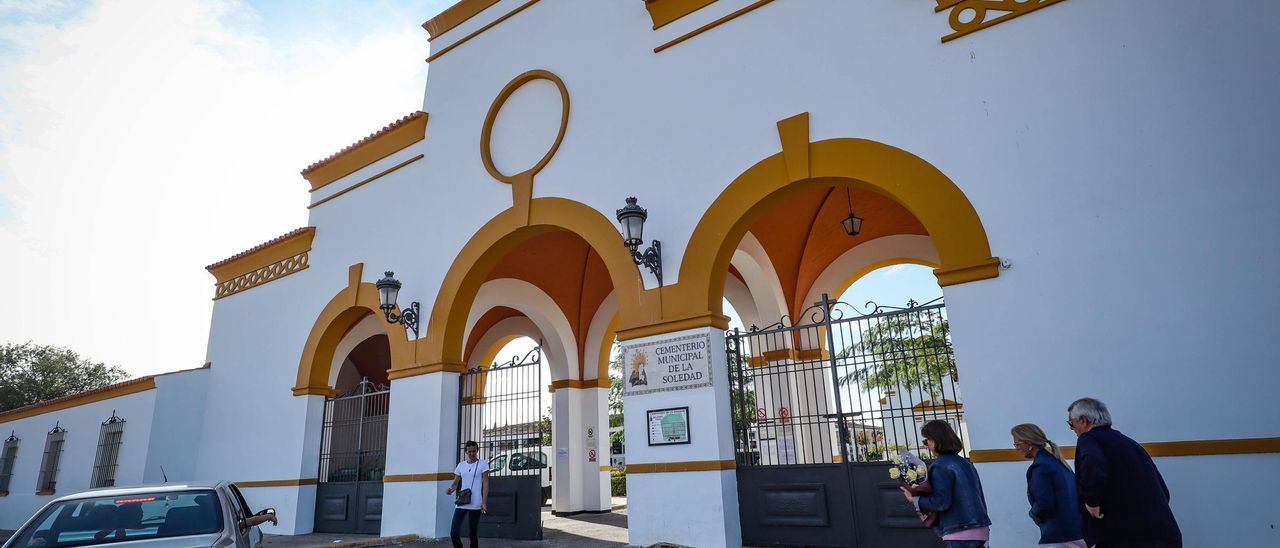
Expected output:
(441, 349)
(343, 312)
(848, 282)
(963, 251)
(606, 347)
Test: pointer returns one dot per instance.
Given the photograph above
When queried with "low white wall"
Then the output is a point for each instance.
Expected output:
(75, 469)
(1245, 517)
(175, 431)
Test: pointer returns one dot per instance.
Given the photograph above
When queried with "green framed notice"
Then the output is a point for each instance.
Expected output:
(669, 426)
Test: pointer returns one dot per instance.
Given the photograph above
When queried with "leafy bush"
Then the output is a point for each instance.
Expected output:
(618, 483)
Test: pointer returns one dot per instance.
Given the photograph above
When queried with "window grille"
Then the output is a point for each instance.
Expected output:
(104, 465)
(6, 462)
(48, 481)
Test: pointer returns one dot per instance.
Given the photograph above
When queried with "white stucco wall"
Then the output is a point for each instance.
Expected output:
(1117, 153)
(79, 449)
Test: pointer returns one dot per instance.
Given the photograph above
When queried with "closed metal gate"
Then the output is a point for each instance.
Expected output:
(819, 408)
(353, 451)
(501, 409)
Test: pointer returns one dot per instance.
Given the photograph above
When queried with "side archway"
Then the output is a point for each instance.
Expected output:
(964, 253)
(343, 312)
(442, 348)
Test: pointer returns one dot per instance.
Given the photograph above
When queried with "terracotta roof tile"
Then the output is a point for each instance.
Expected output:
(358, 144)
(109, 387)
(260, 247)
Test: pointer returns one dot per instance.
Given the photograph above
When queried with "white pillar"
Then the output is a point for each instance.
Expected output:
(692, 508)
(422, 441)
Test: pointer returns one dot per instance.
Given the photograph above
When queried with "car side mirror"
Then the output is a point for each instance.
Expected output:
(266, 512)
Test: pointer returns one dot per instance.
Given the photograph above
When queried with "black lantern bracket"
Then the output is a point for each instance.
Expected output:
(650, 258)
(388, 289)
(632, 218)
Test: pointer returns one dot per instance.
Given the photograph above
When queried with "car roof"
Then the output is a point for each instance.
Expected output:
(143, 489)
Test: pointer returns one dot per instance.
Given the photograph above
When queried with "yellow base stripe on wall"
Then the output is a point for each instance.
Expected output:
(1189, 448)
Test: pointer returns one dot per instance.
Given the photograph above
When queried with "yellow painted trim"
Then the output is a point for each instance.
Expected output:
(344, 310)
(464, 39)
(455, 15)
(360, 156)
(122, 389)
(398, 478)
(690, 466)
(952, 223)
(522, 183)
(426, 369)
(793, 134)
(979, 21)
(45, 493)
(606, 468)
(712, 25)
(1188, 448)
(262, 256)
(706, 319)
(277, 483)
(443, 343)
(579, 384)
(662, 12)
(982, 270)
(366, 181)
(606, 347)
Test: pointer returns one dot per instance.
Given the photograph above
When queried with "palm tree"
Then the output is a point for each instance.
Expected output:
(903, 351)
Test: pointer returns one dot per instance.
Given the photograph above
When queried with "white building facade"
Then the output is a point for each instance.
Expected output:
(1090, 181)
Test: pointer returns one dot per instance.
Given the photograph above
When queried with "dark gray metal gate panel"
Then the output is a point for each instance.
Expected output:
(352, 459)
(884, 519)
(818, 410)
(515, 508)
(500, 408)
(795, 505)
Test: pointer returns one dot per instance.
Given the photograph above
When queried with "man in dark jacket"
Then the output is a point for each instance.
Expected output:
(1123, 497)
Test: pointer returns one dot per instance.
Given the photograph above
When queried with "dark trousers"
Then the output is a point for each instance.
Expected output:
(473, 527)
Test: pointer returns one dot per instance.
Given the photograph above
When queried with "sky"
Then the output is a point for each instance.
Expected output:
(143, 140)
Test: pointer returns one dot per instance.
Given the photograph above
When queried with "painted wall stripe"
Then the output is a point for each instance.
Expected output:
(1188, 448)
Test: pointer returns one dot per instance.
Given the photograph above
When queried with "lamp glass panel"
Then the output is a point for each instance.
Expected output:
(387, 295)
(634, 226)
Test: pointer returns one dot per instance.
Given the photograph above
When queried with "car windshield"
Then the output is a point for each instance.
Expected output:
(103, 520)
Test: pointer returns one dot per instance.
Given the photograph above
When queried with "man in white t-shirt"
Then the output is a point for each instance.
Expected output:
(471, 482)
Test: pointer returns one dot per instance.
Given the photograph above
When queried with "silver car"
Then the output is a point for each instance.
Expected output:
(187, 514)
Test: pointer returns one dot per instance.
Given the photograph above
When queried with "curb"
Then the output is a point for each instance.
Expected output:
(380, 541)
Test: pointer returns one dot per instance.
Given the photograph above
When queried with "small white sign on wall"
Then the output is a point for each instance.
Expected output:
(671, 364)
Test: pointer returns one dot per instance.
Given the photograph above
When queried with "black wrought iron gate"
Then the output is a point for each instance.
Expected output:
(353, 453)
(501, 409)
(820, 405)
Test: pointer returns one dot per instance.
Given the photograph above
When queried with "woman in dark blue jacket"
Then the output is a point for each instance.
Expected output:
(957, 491)
(1051, 489)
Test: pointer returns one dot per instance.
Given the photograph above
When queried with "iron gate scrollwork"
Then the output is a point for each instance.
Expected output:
(819, 408)
(353, 450)
(500, 408)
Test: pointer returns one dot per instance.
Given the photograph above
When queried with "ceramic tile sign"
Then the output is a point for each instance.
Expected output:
(669, 364)
(669, 426)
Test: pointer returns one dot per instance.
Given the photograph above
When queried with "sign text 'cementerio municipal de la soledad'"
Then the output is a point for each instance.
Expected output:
(670, 364)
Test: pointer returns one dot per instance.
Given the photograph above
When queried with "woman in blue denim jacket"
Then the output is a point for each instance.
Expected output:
(1051, 489)
(957, 492)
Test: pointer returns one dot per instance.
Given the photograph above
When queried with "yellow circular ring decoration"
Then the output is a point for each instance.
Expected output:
(501, 99)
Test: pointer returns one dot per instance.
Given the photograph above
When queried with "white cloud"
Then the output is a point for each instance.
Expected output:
(140, 141)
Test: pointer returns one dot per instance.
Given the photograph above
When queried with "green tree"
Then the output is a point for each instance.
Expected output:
(905, 351)
(31, 373)
(615, 380)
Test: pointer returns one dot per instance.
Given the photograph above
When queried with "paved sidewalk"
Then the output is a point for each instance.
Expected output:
(581, 530)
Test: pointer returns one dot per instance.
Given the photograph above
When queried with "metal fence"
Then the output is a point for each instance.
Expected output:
(48, 480)
(109, 441)
(500, 408)
(7, 460)
(843, 385)
(353, 447)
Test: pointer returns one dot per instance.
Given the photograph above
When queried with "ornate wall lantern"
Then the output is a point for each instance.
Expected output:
(388, 291)
(632, 219)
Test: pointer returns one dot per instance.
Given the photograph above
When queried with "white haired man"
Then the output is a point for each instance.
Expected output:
(1125, 500)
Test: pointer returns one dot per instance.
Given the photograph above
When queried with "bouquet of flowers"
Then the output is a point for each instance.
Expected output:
(913, 473)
